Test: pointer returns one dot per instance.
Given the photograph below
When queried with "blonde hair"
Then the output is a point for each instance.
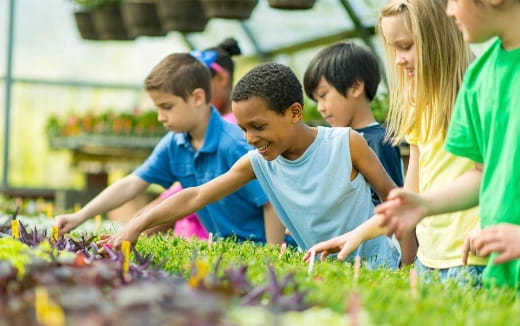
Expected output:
(423, 105)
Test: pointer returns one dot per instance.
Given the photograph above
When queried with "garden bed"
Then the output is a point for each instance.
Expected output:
(226, 283)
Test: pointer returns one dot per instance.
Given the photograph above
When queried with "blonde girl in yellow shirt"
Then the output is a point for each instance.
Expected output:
(426, 60)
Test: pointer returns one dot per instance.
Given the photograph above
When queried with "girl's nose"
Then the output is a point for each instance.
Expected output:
(400, 61)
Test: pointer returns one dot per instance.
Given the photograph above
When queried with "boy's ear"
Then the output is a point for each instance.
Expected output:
(357, 89)
(198, 96)
(296, 112)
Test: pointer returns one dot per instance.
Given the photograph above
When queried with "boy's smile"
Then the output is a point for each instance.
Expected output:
(262, 127)
(270, 132)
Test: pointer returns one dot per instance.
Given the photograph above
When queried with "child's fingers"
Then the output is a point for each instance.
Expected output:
(396, 193)
(490, 247)
(386, 221)
(486, 237)
(324, 255)
(307, 256)
(385, 207)
(346, 250)
(502, 258)
(104, 236)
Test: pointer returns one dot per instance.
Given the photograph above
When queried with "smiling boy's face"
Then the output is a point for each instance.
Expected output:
(267, 130)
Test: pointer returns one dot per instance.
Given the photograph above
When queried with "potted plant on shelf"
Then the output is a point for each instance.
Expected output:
(232, 9)
(140, 18)
(186, 16)
(292, 4)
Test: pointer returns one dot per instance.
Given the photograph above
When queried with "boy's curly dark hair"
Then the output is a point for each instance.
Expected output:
(273, 82)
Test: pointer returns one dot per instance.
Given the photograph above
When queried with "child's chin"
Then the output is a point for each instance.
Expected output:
(269, 156)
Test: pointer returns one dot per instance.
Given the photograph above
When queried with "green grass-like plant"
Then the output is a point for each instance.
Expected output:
(385, 294)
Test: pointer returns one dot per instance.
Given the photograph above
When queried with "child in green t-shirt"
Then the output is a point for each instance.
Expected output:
(485, 128)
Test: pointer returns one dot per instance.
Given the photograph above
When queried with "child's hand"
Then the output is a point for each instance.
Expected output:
(67, 222)
(345, 244)
(402, 211)
(503, 239)
(469, 244)
(115, 240)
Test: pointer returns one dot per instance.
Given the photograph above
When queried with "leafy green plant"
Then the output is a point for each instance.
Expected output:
(380, 106)
(107, 123)
(385, 294)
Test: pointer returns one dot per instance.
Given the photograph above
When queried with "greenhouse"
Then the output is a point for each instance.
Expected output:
(259, 162)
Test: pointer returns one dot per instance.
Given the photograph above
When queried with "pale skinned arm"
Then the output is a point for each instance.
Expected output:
(348, 242)
(408, 241)
(112, 197)
(404, 209)
(366, 162)
(185, 202)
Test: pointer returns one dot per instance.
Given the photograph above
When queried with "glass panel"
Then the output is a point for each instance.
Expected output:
(32, 163)
(2, 129)
(48, 46)
(276, 28)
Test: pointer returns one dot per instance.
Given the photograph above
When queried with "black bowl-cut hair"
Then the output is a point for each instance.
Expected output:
(342, 64)
(273, 82)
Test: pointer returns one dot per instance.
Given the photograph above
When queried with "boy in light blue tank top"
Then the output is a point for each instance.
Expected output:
(315, 178)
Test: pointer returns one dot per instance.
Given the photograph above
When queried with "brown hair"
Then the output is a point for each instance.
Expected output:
(179, 74)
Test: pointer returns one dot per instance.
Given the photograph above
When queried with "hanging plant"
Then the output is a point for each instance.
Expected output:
(84, 20)
(231, 9)
(292, 4)
(186, 16)
(108, 21)
(140, 18)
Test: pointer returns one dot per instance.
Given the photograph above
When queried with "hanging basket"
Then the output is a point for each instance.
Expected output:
(230, 9)
(292, 4)
(85, 25)
(108, 23)
(140, 18)
(186, 16)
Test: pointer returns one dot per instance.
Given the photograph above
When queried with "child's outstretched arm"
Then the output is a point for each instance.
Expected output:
(404, 209)
(348, 242)
(113, 196)
(185, 202)
(502, 238)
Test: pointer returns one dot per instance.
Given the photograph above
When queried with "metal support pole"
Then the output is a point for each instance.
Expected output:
(8, 88)
(261, 53)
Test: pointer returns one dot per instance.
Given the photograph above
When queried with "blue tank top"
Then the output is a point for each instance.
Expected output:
(315, 198)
